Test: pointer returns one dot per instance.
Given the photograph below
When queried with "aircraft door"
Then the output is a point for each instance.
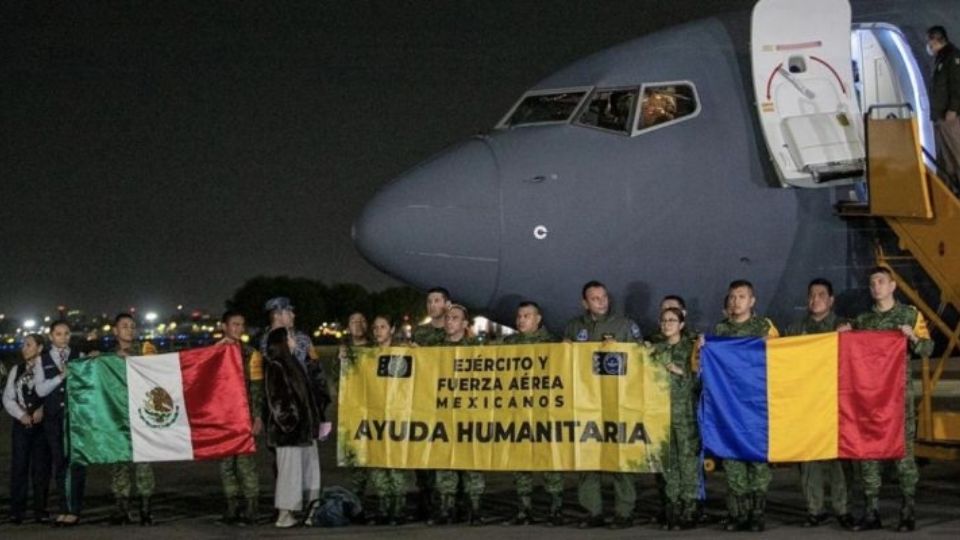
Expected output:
(803, 83)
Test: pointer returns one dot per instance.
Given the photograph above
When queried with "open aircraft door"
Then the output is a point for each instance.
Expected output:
(803, 82)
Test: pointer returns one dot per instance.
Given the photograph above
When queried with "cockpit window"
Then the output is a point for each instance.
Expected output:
(538, 109)
(666, 103)
(610, 109)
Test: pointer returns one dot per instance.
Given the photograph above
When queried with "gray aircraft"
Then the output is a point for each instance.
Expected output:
(673, 163)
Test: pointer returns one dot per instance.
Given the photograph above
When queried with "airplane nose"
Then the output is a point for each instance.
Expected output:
(440, 219)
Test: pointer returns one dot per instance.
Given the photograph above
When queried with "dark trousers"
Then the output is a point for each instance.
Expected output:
(29, 466)
(71, 493)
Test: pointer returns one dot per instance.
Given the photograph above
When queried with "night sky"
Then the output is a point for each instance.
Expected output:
(164, 153)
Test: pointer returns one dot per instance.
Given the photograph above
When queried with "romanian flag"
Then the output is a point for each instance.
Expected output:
(804, 398)
(167, 407)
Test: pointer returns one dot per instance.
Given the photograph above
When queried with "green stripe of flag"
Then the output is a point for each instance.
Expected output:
(99, 411)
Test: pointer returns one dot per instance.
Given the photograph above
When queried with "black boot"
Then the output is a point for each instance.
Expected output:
(251, 512)
(445, 512)
(757, 519)
(667, 516)
(687, 519)
(907, 520)
(474, 517)
(555, 518)
(870, 521)
(231, 513)
(146, 517)
(847, 522)
(121, 514)
(738, 518)
(523, 515)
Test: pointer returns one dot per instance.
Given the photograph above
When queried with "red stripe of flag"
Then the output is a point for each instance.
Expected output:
(872, 393)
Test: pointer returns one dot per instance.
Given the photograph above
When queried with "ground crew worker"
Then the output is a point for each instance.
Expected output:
(428, 334)
(432, 332)
(821, 319)
(747, 482)
(945, 102)
(598, 324)
(530, 330)
(125, 331)
(889, 314)
(456, 321)
(390, 485)
(682, 476)
(239, 473)
(357, 336)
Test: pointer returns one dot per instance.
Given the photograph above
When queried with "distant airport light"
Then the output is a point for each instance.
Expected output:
(150, 316)
(106, 328)
(29, 324)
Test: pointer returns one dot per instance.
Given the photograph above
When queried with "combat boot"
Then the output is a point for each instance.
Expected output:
(398, 510)
(230, 514)
(146, 517)
(907, 518)
(251, 512)
(870, 520)
(121, 514)
(757, 519)
(555, 518)
(524, 511)
(687, 519)
(739, 517)
(667, 518)
(445, 513)
(474, 517)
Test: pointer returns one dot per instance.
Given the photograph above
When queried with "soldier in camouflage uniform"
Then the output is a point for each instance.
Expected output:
(889, 314)
(530, 330)
(124, 330)
(356, 337)
(456, 321)
(598, 324)
(390, 485)
(239, 473)
(820, 319)
(427, 335)
(747, 482)
(675, 352)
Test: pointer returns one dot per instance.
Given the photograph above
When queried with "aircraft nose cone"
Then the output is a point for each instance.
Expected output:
(439, 224)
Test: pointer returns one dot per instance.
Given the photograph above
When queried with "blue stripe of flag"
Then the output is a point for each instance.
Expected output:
(733, 410)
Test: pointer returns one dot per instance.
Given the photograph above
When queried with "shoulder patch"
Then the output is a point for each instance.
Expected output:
(635, 331)
(582, 335)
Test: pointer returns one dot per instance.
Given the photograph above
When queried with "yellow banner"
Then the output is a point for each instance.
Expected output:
(543, 407)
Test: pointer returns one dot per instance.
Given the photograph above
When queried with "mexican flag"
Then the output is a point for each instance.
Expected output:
(167, 407)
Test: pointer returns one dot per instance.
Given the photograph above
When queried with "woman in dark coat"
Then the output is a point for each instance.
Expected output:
(292, 419)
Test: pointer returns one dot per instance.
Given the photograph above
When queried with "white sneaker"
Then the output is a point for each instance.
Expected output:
(285, 520)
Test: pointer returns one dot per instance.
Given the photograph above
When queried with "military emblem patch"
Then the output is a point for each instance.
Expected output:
(582, 335)
(159, 410)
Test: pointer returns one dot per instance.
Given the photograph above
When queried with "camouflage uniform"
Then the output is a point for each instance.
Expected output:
(359, 476)
(426, 335)
(552, 481)
(892, 319)
(589, 488)
(682, 473)
(447, 481)
(390, 485)
(143, 479)
(239, 473)
(814, 474)
(747, 482)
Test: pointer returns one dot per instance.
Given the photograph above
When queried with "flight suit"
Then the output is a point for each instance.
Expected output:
(815, 474)
(682, 474)
(239, 473)
(121, 483)
(585, 328)
(892, 319)
(447, 481)
(552, 480)
(747, 482)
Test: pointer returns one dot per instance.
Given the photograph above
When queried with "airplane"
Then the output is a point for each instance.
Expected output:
(672, 164)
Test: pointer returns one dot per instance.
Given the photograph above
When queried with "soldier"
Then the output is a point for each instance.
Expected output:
(239, 473)
(530, 330)
(673, 301)
(356, 337)
(675, 352)
(821, 319)
(125, 331)
(747, 482)
(598, 324)
(390, 485)
(889, 314)
(456, 321)
(432, 332)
